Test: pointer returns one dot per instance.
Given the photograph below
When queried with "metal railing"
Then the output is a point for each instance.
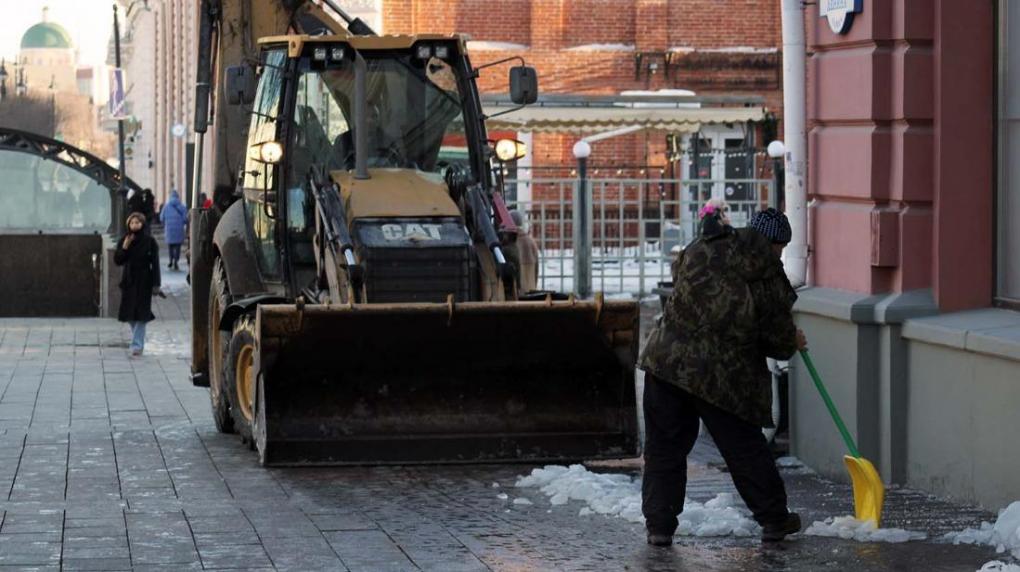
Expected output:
(635, 224)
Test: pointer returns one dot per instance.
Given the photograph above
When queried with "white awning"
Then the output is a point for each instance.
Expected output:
(580, 119)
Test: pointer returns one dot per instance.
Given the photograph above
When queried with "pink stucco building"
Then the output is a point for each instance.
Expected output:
(914, 235)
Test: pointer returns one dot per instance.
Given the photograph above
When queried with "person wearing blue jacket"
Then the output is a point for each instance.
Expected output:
(175, 219)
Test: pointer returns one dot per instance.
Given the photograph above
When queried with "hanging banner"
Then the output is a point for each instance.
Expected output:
(117, 107)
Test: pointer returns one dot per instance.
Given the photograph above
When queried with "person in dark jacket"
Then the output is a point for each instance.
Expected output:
(732, 306)
(175, 220)
(144, 203)
(138, 253)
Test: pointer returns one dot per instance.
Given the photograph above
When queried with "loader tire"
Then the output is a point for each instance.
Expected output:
(239, 375)
(219, 299)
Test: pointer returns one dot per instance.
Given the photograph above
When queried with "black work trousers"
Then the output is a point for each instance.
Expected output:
(671, 428)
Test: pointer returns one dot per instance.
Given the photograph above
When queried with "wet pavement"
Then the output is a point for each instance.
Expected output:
(113, 463)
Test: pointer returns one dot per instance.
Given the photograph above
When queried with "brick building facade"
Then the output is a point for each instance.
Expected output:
(604, 47)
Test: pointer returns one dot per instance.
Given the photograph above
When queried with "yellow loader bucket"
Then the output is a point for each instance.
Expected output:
(445, 383)
(869, 492)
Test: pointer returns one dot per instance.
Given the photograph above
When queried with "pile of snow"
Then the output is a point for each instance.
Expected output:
(849, 528)
(620, 496)
(1003, 535)
(997, 566)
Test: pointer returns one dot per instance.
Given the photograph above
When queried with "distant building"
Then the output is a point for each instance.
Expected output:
(48, 57)
(85, 80)
(138, 46)
(914, 199)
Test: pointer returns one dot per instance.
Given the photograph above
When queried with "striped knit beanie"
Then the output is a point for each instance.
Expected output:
(773, 225)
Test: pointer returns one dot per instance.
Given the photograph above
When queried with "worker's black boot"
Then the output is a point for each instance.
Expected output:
(656, 539)
(776, 531)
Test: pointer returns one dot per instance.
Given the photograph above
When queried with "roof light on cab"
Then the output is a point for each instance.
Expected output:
(510, 150)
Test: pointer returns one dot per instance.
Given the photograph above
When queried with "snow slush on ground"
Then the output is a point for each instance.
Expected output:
(849, 528)
(620, 496)
(793, 466)
(997, 566)
(1004, 535)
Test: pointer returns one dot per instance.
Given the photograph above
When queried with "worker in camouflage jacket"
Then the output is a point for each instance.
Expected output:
(732, 306)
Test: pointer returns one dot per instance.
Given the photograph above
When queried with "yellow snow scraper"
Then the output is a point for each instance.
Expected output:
(869, 492)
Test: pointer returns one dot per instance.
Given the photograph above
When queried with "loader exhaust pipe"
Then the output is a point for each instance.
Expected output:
(360, 111)
(356, 26)
(208, 13)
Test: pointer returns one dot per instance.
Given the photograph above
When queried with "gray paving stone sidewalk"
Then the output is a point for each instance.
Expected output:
(113, 463)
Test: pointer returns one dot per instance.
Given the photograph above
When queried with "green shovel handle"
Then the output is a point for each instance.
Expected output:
(828, 403)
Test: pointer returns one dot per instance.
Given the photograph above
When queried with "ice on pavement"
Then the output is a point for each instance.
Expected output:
(793, 466)
(1004, 535)
(849, 528)
(620, 496)
(998, 566)
(791, 462)
(522, 501)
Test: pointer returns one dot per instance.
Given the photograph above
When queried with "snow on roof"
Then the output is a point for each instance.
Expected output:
(659, 93)
(724, 50)
(602, 48)
(486, 46)
(667, 92)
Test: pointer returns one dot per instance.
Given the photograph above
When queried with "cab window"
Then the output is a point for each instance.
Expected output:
(259, 177)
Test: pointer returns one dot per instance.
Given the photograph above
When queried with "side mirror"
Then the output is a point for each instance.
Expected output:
(241, 83)
(523, 85)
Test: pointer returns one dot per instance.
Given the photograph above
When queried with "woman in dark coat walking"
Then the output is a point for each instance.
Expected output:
(138, 253)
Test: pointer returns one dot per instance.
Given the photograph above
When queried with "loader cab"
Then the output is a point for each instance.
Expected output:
(423, 115)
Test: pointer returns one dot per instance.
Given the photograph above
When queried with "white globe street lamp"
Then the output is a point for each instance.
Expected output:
(776, 149)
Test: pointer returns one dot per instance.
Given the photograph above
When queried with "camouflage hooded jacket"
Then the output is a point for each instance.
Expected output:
(731, 307)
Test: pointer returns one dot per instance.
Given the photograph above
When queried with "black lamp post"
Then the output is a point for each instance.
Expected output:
(119, 204)
(3, 79)
(776, 150)
(21, 88)
(53, 105)
(582, 222)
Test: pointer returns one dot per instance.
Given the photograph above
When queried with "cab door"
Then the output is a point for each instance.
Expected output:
(260, 179)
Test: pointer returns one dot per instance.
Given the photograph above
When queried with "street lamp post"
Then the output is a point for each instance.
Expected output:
(53, 106)
(582, 222)
(118, 209)
(21, 88)
(777, 150)
(3, 79)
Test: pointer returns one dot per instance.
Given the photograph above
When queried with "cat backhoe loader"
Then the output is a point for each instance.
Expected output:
(352, 301)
